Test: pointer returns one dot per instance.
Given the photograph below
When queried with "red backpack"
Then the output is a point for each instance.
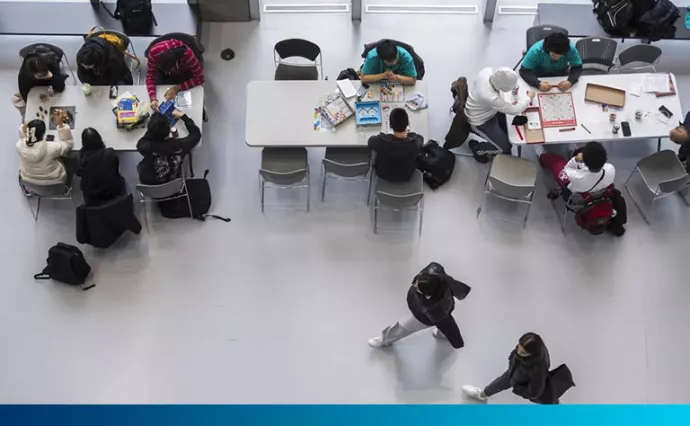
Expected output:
(596, 215)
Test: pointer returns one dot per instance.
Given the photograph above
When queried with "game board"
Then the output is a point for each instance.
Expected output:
(336, 110)
(557, 110)
(392, 92)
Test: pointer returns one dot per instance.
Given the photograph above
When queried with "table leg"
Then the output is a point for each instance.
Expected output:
(658, 145)
(519, 150)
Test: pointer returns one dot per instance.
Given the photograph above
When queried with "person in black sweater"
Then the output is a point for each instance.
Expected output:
(527, 374)
(99, 169)
(396, 154)
(100, 63)
(163, 154)
(40, 68)
(681, 136)
(431, 300)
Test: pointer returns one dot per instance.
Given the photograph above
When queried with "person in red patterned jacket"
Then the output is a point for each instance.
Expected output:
(172, 62)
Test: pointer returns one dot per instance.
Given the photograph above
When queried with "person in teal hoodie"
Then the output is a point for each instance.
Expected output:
(389, 62)
(553, 56)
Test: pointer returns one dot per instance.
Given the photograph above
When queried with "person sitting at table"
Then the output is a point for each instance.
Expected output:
(681, 136)
(486, 109)
(553, 56)
(163, 154)
(588, 171)
(100, 63)
(396, 154)
(172, 62)
(99, 169)
(44, 162)
(389, 62)
(40, 68)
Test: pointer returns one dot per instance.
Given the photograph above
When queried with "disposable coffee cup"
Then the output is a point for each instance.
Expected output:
(86, 88)
(638, 114)
(612, 117)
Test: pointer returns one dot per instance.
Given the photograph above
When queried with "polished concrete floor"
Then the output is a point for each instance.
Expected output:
(277, 308)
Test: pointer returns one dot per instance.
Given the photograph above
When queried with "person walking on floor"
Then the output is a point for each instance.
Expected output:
(528, 375)
(431, 303)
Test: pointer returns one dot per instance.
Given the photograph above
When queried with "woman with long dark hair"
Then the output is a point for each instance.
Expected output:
(41, 159)
(99, 169)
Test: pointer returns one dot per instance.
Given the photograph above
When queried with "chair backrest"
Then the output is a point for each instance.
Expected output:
(675, 185)
(187, 39)
(399, 201)
(296, 72)
(24, 51)
(167, 189)
(284, 179)
(297, 47)
(125, 39)
(346, 170)
(597, 50)
(540, 32)
(46, 191)
(400, 195)
(508, 190)
(645, 53)
(418, 61)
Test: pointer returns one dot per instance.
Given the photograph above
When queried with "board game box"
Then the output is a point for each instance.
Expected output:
(392, 92)
(368, 113)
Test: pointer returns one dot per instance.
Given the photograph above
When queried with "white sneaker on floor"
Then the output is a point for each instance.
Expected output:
(474, 392)
(539, 150)
(376, 342)
(437, 334)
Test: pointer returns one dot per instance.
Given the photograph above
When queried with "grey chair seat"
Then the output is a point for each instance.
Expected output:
(400, 196)
(661, 167)
(347, 162)
(296, 72)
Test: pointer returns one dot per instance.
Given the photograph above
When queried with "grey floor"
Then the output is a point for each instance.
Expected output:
(277, 308)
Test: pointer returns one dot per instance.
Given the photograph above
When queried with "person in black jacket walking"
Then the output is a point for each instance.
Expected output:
(163, 154)
(431, 303)
(99, 169)
(102, 64)
(527, 374)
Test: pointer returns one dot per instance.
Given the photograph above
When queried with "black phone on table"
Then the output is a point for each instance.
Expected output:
(50, 138)
(626, 128)
(667, 113)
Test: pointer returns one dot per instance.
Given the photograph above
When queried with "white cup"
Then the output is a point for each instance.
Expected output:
(86, 88)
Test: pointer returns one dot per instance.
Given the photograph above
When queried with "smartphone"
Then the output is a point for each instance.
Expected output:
(667, 113)
(113, 92)
(362, 90)
(50, 138)
(626, 128)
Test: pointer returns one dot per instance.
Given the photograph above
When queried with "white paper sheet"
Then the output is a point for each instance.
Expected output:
(635, 90)
(533, 120)
(655, 83)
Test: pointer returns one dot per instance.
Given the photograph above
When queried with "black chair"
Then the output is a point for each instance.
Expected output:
(45, 48)
(418, 61)
(297, 48)
(597, 54)
(539, 33)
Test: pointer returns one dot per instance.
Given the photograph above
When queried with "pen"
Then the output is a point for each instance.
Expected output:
(583, 126)
(517, 129)
(567, 130)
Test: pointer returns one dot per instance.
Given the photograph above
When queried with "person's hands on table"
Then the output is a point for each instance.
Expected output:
(544, 86)
(171, 93)
(531, 94)
(388, 75)
(564, 85)
(177, 114)
(154, 104)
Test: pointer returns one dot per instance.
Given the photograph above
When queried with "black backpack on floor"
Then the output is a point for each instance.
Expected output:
(436, 164)
(66, 264)
(136, 15)
(199, 198)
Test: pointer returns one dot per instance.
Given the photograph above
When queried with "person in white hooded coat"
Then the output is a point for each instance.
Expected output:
(486, 107)
(40, 159)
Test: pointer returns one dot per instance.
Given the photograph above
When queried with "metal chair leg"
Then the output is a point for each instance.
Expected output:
(38, 208)
(639, 208)
(481, 204)
(308, 189)
(323, 181)
(371, 185)
(262, 192)
(685, 200)
(529, 206)
(376, 214)
(421, 215)
(565, 219)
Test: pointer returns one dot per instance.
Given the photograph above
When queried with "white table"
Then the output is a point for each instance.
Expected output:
(96, 111)
(591, 115)
(281, 114)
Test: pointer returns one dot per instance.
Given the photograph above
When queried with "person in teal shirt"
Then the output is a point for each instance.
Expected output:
(389, 62)
(553, 56)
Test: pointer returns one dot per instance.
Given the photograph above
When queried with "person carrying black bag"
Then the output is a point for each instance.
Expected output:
(431, 300)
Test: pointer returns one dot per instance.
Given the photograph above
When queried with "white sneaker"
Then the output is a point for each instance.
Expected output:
(474, 392)
(539, 150)
(376, 342)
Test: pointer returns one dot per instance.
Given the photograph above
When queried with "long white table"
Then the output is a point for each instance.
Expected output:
(597, 121)
(281, 114)
(96, 111)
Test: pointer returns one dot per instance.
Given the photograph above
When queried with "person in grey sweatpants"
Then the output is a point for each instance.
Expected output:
(431, 300)
(495, 131)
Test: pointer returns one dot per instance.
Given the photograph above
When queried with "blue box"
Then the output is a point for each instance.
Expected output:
(368, 113)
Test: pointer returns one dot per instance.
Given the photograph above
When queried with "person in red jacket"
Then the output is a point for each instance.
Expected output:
(172, 62)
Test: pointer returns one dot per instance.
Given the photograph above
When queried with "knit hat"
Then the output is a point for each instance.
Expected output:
(504, 79)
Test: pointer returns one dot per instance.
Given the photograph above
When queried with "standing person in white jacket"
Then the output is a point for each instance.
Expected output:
(42, 161)
(486, 108)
